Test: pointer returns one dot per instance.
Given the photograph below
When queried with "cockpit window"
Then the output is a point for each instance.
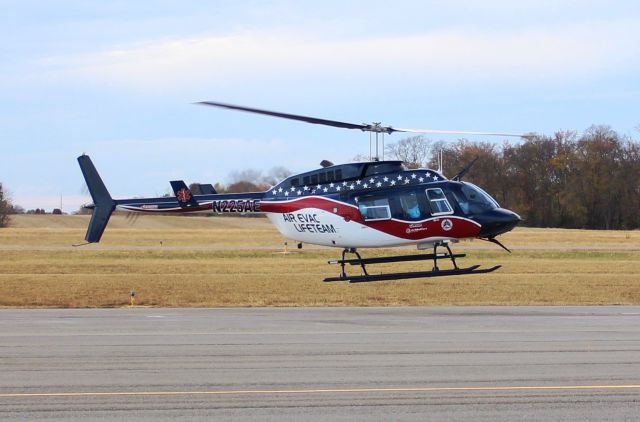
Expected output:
(438, 202)
(472, 199)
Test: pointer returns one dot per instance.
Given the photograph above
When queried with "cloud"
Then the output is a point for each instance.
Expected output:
(151, 163)
(558, 53)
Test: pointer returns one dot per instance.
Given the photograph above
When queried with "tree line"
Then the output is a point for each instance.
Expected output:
(7, 208)
(565, 180)
(248, 180)
(589, 181)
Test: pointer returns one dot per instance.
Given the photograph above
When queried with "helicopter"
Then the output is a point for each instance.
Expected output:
(374, 204)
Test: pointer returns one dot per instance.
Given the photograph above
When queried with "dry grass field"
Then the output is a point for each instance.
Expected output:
(200, 261)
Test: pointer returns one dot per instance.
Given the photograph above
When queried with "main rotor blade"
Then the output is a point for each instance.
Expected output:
(307, 119)
(459, 132)
(373, 127)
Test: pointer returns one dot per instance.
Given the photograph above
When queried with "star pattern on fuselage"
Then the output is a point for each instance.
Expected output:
(406, 178)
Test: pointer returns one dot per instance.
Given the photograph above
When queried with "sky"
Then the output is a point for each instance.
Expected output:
(117, 80)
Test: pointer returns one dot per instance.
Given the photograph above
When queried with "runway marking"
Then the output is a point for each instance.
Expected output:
(324, 390)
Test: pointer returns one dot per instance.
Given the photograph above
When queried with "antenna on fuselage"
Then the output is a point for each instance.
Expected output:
(458, 177)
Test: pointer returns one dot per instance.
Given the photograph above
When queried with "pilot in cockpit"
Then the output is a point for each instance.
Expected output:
(411, 206)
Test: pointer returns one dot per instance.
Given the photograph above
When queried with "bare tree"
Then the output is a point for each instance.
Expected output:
(275, 175)
(5, 208)
(247, 175)
(415, 151)
(246, 186)
(250, 180)
(271, 177)
(195, 188)
(360, 158)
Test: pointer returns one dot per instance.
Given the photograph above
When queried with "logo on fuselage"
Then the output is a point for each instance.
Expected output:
(416, 227)
(446, 224)
(183, 195)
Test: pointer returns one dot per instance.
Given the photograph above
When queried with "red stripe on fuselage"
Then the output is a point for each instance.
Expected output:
(459, 227)
(347, 211)
(139, 208)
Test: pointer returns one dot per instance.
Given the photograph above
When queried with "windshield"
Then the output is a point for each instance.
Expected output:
(472, 199)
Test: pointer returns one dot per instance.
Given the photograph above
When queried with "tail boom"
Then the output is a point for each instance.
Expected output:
(217, 203)
(183, 201)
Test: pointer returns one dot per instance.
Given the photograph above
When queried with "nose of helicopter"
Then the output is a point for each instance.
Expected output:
(497, 221)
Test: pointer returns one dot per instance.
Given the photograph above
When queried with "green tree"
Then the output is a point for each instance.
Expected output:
(601, 180)
(591, 181)
(488, 171)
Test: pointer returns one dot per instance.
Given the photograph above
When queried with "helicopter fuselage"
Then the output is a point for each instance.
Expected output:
(387, 205)
(358, 205)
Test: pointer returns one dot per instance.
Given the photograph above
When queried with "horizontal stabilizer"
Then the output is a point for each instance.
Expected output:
(207, 189)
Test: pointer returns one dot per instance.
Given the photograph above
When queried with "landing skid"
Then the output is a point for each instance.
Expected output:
(435, 272)
(474, 269)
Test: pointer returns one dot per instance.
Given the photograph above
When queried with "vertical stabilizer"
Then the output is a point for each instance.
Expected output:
(103, 204)
(183, 194)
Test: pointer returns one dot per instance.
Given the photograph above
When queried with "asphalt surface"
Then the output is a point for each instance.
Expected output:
(337, 364)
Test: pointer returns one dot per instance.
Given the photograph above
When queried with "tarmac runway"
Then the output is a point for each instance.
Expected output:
(337, 364)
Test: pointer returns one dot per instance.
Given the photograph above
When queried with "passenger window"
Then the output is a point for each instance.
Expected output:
(438, 202)
(306, 180)
(314, 179)
(409, 205)
(374, 209)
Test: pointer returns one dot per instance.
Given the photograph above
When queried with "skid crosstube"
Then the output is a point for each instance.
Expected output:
(474, 269)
